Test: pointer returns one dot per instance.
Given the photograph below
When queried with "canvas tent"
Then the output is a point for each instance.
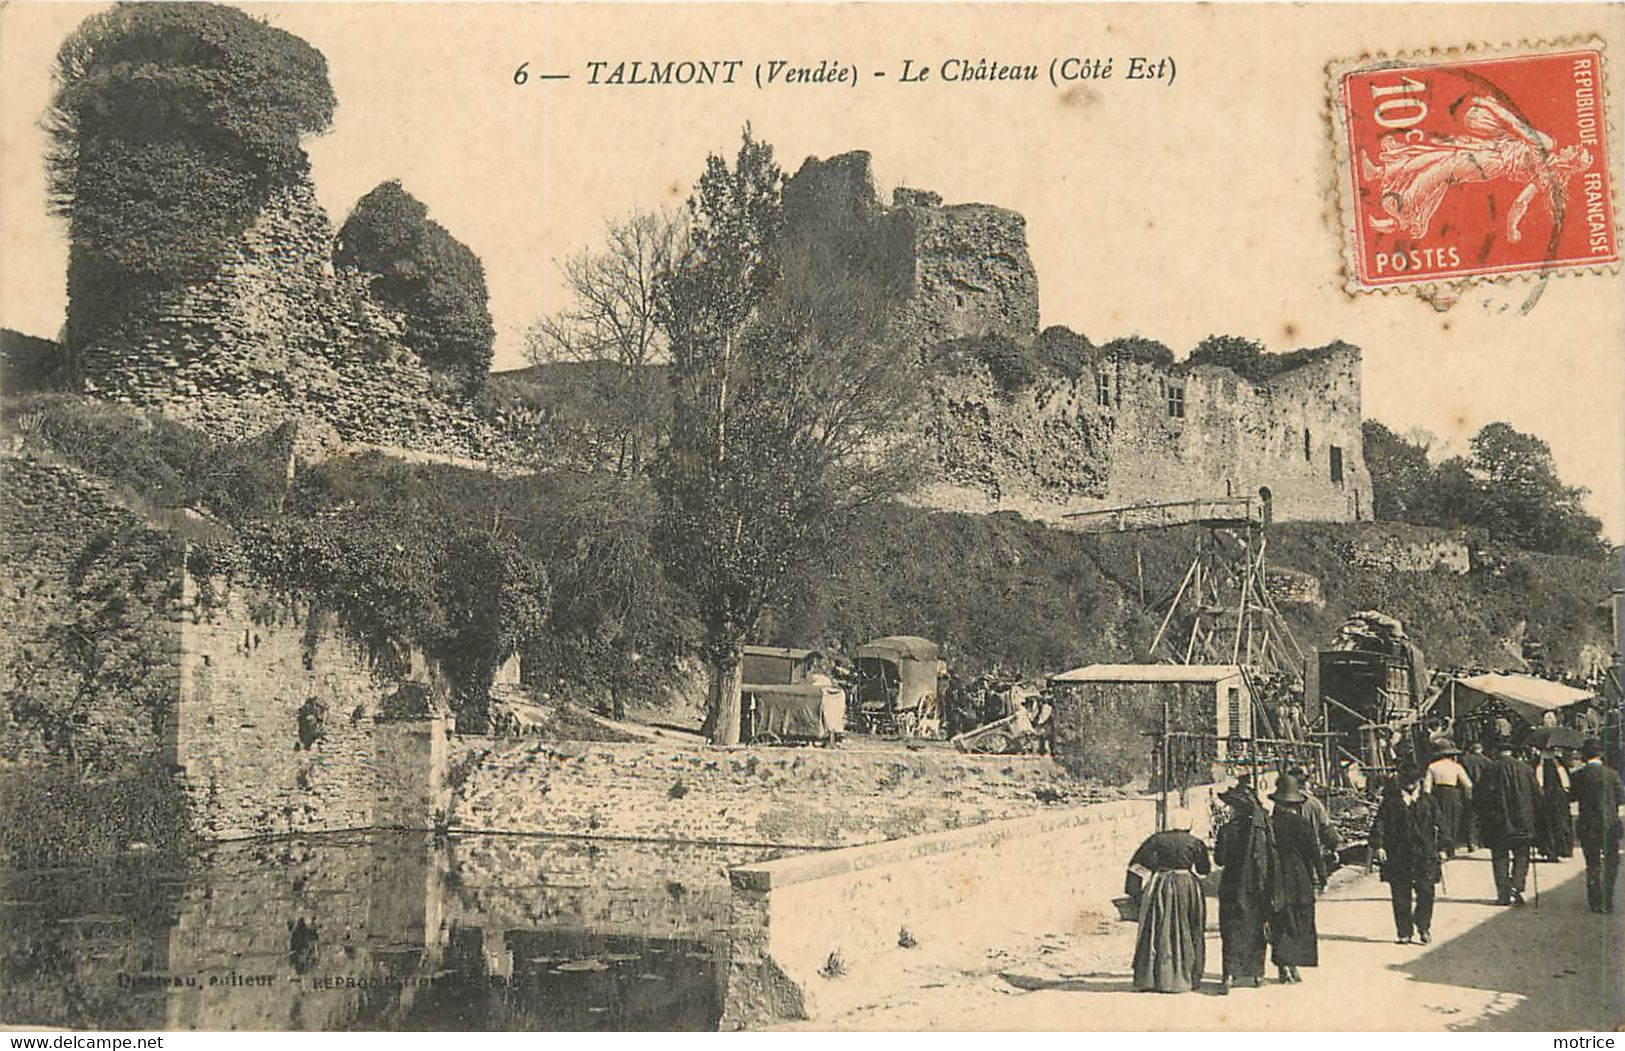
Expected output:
(1529, 697)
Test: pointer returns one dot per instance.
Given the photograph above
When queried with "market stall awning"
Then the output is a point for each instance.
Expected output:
(1150, 673)
(1528, 696)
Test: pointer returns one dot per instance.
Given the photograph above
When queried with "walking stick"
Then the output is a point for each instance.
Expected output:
(1534, 878)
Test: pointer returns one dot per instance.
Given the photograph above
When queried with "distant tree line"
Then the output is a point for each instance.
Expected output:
(1506, 486)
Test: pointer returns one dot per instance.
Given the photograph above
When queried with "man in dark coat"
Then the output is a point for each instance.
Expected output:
(1597, 789)
(1507, 802)
(1405, 841)
(1477, 764)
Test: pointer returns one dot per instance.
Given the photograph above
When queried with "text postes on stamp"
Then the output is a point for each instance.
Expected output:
(1492, 165)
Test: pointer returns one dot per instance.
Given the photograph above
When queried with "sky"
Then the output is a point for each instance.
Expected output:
(1169, 211)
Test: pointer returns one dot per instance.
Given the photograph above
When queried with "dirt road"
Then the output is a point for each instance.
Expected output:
(1551, 967)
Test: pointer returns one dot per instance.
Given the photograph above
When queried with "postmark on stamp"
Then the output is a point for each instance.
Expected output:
(1480, 165)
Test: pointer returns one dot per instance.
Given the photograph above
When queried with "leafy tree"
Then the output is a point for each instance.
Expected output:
(1400, 472)
(1452, 497)
(613, 328)
(1526, 503)
(416, 267)
(616, 624)
(1508, 487)
(170, 125)
(1138, 348)
(1248, 358)
(1067, 352)
(788, 416)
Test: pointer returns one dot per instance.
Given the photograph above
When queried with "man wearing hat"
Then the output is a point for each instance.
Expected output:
(1596, 786)
(1452, 790)
(1320, 818)
(1477, 764)
(1405, 841)
(1506, 799)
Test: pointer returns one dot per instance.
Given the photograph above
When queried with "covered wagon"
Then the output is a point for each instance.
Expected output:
(898, 686)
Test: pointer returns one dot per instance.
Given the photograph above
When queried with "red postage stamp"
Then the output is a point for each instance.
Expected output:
(1497, 164)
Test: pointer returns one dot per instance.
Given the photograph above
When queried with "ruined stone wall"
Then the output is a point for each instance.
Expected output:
(286, 724)
(972, 274)
(1167, 434)
(279, 335)
(1237, 438)
(88, 646)
(970, 887)
(963, 271)
(1395, 552)
(955, 270)
(277, 720)
(1043, 445)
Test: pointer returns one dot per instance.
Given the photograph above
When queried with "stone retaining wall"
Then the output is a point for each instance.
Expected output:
(792, 797)
(812, 933)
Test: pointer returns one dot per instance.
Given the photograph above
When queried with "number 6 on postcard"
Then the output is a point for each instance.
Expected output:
(1465, 165)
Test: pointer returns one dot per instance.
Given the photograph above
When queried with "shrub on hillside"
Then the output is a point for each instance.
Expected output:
(53, 816)
(167, 463)
(418, 268)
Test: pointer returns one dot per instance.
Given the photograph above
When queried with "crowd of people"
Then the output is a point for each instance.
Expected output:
(1273, 862)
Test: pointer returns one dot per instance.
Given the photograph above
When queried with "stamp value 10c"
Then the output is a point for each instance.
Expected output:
(1491, 165)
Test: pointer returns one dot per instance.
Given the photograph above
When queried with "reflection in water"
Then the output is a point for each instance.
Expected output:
(376, 931)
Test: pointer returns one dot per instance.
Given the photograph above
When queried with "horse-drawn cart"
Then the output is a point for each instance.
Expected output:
(898, 686)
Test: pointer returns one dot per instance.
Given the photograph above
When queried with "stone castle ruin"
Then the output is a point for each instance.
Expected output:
(1121, 429)
(282, 334)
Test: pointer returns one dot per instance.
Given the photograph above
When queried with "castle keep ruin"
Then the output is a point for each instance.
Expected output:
(1119, 429)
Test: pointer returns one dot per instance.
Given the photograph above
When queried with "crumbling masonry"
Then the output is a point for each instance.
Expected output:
(1123, 431)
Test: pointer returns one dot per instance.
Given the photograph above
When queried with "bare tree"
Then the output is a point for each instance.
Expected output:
(612, 331)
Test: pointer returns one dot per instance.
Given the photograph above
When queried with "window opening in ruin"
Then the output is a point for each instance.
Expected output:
(1103, 389)
(1306, 456)
(1337, 466)
(1176, 401)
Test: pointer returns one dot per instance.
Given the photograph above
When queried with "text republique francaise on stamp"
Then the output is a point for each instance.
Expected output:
(1478, 164)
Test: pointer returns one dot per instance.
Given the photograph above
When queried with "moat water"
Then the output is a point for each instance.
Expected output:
(376, 931)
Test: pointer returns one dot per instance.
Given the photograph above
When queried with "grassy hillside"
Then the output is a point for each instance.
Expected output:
(997, 590)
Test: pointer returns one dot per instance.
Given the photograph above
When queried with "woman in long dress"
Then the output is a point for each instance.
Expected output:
(1170, 954)
(1249, 886)
(1293, 939)
(1556, 825)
